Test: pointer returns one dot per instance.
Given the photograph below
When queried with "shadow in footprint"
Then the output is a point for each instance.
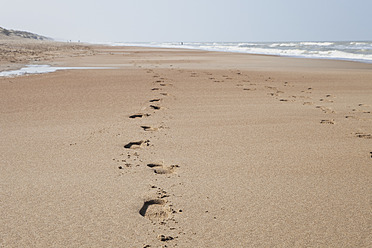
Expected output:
(137, 144)
(154, 210)
(327, 122)
(155, 100)
(138, 116)
(164, 238)
(161, 169)
(155, 107)
(149, 128)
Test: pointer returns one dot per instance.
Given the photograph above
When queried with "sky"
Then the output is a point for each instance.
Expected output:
(191, 20)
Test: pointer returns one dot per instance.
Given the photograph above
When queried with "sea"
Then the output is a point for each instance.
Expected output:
(338, 50)
(360, 51)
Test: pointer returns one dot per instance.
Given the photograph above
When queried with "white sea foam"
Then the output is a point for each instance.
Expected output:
(38, 69)
(317, 43)
(283, 45)
(353, 50)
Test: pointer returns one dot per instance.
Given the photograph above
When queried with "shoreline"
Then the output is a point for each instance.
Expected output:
(50, 62)
(17, 53)
(187, 148)
(16, 66)
(233, 50)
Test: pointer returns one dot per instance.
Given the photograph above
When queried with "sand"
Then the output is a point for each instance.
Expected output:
(16, 52)
(184, 148)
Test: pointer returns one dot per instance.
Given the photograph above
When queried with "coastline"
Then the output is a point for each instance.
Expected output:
(16, 53)
(331, 50)
(63, 49)
(244, 150)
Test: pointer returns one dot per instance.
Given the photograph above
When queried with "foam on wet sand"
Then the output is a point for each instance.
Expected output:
(40, 69)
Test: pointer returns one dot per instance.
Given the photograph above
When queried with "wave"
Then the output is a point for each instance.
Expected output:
(317, 43)
(352, 50)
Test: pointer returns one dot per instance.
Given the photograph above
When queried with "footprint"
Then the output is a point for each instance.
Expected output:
(362, 105)
(271, 87)
(155, 100)
(149, 128)
(364, 136)
(155, 210)
(155, 107)
(160, 192)
(325, 100)
(137, 144)
(249, 89)
(308, 91)
(164, 94)
(155, 89)
(138, 116)
(152, 165)
(327, 122)
(351, 117)
(325, 109)
(164, 238)
(159, 168)
(307, 103)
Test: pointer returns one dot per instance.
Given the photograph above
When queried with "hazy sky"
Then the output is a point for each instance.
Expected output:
(191, 20)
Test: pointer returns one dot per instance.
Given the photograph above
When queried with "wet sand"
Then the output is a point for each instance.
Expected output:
(183, 148)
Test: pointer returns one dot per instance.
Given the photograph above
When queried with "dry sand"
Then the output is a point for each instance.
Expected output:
(222, 150)
(15, 53)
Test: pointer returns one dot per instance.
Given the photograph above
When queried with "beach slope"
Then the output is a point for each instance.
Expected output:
(184, 148)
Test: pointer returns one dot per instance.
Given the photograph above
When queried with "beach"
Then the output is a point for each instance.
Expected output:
(186, 148)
